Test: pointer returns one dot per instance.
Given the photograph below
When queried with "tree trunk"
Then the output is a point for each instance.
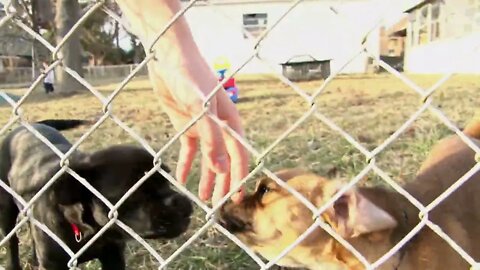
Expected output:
(117, 35)
(35, 20)
(67, 14)
(134, 50)
(42, 13)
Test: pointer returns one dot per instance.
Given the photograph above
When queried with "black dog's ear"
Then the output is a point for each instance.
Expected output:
(165, 168)
(70, 190)
(74, 215)
(84, 165)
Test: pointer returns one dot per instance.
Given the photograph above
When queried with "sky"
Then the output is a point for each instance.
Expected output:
(398, 5)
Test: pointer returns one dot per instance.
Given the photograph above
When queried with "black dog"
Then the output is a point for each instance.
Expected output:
(71, 211)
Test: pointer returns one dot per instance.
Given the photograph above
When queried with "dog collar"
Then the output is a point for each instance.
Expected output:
(76, 232)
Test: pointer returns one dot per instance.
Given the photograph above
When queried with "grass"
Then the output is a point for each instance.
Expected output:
(369, 107)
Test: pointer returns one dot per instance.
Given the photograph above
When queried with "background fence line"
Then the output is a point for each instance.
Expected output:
(129, 71)
(24, 76)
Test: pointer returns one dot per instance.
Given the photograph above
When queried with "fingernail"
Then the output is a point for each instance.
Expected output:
(237, 197)
(180, 179)
(203, 197)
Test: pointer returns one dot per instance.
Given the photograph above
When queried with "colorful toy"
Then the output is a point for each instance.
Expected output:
(222, 65)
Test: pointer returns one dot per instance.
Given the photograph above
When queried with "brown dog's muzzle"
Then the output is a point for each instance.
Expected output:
(234, 225)
(235, 218)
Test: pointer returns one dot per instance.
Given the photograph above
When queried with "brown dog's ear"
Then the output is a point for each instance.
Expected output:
(353, 215)
(73, 214)
(287, 174)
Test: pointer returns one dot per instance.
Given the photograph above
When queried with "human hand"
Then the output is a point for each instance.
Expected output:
(224, 161)
(183, 79)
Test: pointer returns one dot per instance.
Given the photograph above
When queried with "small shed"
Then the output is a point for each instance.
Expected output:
(306, 68)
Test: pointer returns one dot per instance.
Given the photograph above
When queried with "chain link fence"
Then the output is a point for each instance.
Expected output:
(98, 6)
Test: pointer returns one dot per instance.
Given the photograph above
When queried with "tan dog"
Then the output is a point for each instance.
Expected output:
(373, 220)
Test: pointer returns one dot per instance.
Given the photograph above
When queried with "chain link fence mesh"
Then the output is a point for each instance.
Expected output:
(99, 6)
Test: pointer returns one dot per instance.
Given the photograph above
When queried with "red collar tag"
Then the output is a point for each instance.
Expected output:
(77, 232)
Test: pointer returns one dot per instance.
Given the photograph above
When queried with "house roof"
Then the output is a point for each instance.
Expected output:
(399, 28)
(20, 47)
(16, 42)
(417, 5)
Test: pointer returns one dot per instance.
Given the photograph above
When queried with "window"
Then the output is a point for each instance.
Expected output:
(470, 12)
(392, 46)
(435, 22)
(255, 24)
(477, 15)
(471, 20)
(423, 25)
(428, 23)
(412, 18)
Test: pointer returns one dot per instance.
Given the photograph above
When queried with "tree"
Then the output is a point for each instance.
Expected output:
(43, 13)
(99, 36)
(95, 37)
(36, 14)
(67, 14)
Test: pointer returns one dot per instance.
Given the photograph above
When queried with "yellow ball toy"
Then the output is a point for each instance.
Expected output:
(221, 64)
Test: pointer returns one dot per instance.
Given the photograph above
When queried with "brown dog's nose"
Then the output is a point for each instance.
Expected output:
(179, 203)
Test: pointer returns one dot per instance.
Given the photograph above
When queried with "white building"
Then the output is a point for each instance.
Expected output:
(312, 28)
(442, 36)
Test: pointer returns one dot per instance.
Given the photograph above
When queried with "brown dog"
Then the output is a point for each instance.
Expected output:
(372, 219)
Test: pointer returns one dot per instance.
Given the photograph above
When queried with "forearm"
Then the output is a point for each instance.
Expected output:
(176, 51)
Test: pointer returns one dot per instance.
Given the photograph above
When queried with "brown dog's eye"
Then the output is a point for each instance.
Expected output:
(262, 189)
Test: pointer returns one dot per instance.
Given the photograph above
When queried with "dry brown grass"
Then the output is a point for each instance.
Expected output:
(369, 107)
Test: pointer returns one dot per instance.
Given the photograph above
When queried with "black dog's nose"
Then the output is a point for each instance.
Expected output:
(179, 203)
